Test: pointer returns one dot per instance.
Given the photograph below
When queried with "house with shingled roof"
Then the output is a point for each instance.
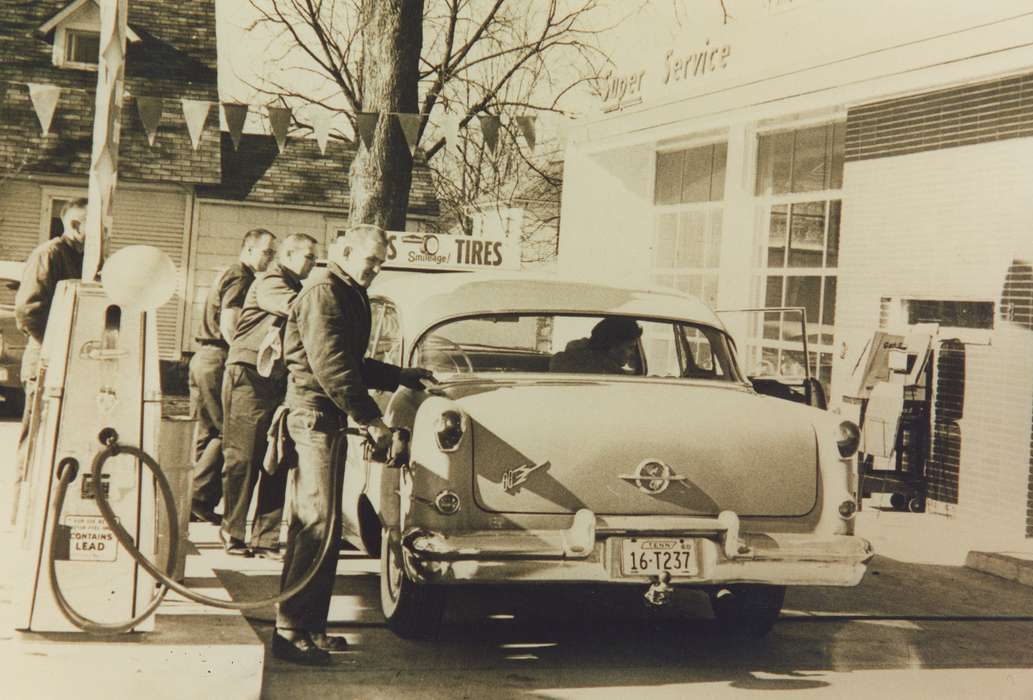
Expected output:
(194, 204)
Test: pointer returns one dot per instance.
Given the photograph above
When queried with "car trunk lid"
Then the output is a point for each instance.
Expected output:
(559, 446)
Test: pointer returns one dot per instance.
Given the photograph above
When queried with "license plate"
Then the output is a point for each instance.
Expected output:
(650, 556)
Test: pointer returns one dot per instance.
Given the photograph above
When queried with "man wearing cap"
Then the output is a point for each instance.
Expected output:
(251, 393)
(612, 346)
(325, 344)
(221, 310)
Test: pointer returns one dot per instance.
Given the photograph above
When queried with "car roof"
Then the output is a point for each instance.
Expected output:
(423, 299)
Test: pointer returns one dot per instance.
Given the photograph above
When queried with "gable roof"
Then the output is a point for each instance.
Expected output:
(301, 175)
(175, 58)
(70, 10)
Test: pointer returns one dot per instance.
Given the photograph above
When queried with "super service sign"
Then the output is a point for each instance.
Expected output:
(429, 251)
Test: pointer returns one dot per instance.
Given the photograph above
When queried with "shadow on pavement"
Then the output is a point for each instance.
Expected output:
(521, 640)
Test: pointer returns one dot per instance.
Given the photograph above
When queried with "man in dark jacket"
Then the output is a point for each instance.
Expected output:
(325, 343)
(221, 309)
(250, 399)
(58, 259)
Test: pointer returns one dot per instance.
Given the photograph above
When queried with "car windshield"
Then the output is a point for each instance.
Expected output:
(551, 343)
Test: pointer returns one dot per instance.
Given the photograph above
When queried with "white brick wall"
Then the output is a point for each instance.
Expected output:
(995, 430)
(939, 224)
(947, 224)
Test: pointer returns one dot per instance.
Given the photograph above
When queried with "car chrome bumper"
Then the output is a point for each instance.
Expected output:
(587, 551)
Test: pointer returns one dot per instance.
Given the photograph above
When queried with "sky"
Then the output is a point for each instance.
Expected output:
(247, 53)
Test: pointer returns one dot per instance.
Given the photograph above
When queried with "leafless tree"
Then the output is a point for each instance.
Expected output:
(460, 57)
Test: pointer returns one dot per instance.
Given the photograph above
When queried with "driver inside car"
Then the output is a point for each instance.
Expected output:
(610, 349)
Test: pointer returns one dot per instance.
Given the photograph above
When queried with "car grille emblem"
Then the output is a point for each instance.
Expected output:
(513, 478)
(652, 477)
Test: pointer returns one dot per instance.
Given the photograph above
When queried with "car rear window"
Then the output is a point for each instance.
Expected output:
(569, 344)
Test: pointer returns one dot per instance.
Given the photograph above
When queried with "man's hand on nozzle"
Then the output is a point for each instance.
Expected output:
(379, 435)
(413, 378)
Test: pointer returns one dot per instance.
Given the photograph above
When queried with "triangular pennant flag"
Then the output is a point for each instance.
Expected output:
(44, 101)
(490, 129)
(450, 125)
(195, 112)
(321, 129)
(236, 113)
(410, 124)
(366, 124)
(280, 120)
(526, 124)
(150, 114)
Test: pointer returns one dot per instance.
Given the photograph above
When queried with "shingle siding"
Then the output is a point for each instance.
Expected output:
(176, 58)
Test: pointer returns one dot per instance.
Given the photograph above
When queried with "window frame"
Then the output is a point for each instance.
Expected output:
(735, 373)
(47, 197)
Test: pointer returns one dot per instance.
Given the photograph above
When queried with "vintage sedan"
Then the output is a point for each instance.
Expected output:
(665, 472)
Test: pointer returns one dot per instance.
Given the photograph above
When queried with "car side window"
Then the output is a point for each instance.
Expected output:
(385, 340)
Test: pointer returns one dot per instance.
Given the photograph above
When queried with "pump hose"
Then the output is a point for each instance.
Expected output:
(166, 582)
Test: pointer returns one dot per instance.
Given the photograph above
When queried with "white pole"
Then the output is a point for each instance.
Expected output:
(107, 122)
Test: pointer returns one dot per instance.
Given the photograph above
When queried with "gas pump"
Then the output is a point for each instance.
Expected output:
(99, 374)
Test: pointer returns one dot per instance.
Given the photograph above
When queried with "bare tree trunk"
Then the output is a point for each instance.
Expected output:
(392, 39)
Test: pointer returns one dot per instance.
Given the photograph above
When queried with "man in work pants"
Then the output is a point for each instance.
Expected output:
(221, 310)
(325, 343)
(250, 398)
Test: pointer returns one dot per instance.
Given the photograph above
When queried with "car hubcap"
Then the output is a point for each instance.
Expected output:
(394, 573)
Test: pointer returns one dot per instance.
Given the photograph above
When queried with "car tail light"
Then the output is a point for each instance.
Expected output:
(849, 439)
(447, 502)
(449, 430)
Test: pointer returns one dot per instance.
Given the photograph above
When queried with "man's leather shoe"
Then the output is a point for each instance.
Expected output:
(233, 546)
(203, 514)
(301, 650)
(328, 642)
(270, 553)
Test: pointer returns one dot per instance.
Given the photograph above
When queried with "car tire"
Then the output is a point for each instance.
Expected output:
(747, 610)
(412, 610)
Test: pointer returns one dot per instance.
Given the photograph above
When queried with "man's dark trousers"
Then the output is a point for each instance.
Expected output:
(206, 370)
(312, 431)
(249, 401)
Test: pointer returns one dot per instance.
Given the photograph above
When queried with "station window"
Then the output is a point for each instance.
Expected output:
(796, 254)
(689, 189)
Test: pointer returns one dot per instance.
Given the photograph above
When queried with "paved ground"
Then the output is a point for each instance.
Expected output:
(914, 630)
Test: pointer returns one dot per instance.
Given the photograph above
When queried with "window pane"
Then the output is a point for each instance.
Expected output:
(695, 285)
(691, 239)
(84, 47)
(696, 174)
(832, 245)
(807, 234)
(666, 231)
(768, 363)
(777, 236)
(666, 281)
(774, 162)
(828, 310)
(714, 239)
(773, 297)
(772, 322)
(809, 160)
(717, 178)
(710, 289)
(668, 177)
(825, 372)
(805, 292)
(838, 150)
(791, 366)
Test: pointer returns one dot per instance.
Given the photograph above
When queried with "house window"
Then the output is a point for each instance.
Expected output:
(53, 201)
(799, 208)
(688, 195)
(81, 47)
